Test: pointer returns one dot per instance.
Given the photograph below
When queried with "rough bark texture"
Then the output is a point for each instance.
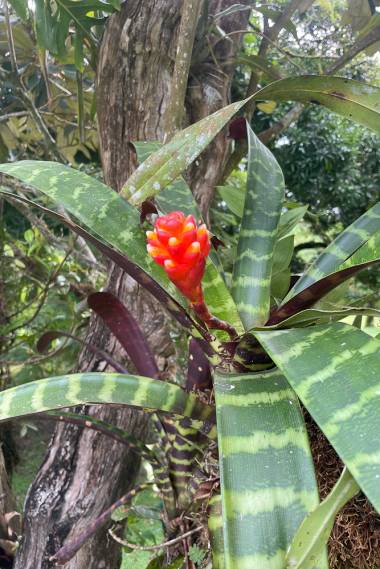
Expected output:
(209, 90)
(84, 472)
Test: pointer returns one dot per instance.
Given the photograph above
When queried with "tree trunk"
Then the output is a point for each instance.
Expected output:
(84, 472)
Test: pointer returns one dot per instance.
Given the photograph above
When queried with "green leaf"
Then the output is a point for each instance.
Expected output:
(282, 254)
(262, 64)
(44, 26)
(263, 202)
(215, 527)
(21, 8)
(335, 371)
(78, 54)
(82, 388)
(267, 474)
(164, 166)
(290, 219)
(352, 99)
(234, 198)
(96, 206)
(333, 256)
(309, 543)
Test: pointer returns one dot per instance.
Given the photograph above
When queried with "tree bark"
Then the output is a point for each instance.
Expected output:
(84, 472)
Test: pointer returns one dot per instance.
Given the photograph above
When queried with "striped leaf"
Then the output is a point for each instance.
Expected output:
(352, 99)
(104, 213)
(369, 251)
(95, 206)
(164, 166)
(121, 389)
(234, 199)
(335, 371)
(253, 266)
(366, 256)
(331, 258)
(267, 474)
(148, 282)
(215, 527)
(309, 543)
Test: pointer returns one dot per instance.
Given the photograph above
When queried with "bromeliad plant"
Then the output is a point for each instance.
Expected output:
(269, 345)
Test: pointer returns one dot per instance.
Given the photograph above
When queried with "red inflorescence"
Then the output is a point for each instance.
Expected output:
(181, 248)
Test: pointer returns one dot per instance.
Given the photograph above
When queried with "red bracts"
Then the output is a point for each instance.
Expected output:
(181, 248)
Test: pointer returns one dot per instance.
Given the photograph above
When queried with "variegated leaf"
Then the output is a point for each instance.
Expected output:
(335, 371)
(267, 474)
(252, 270)
(121, 389)
(310, 541)
(164, 166)
(347, 242)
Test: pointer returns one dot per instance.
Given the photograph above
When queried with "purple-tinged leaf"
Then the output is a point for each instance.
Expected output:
(309, 296)
(198, 369)
(125, 328)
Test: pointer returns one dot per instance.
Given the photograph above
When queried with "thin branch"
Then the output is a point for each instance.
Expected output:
(8, 116)
(93, 349)
(68, 551)
(270, 37)
(294, 113)
(360, 45)
(163, 545)
(44, 294)
(175, 109)
(88, 422)
(38, 222)
(23, 94)
(11, 44)
(40, 123)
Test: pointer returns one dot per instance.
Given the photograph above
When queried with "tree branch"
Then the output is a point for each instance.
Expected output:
(154, 547)
(293, 114)
(24, 96)
(360, 45)
(176, 106)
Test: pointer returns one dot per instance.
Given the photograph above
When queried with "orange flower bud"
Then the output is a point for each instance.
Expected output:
(181, 248)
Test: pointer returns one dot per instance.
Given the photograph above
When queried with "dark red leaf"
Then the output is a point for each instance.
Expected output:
(123, 325)
(198, 369)
(238, 129)
(306, 298)
(147, 208)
